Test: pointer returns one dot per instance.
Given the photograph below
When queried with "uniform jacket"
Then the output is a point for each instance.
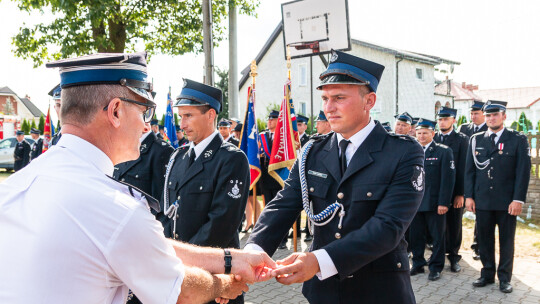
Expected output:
(147, 172)
(37, 148)
(21, 154)
(212, 195)
(233, 141)
(266, 180)
(56, 138)
(440, 177)
(506, 178)
(304, 139)
(381, 191)
(468, 129)
(459, 143)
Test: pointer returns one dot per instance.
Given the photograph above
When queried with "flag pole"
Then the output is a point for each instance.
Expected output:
(256, 212)
(295, 231)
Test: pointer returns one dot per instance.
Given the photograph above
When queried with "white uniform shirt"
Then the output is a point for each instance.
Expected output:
(71, 234)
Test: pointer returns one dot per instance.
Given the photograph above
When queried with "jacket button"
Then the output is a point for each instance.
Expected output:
(200, 188)
(398, 265)
(170, 183)
(491, 188)
(311, 189)
(340, 195)
(369, 194)
(137, 176)
(338, 236)
(176, 236)
(177, 216)
(178, 198)
(123, 179)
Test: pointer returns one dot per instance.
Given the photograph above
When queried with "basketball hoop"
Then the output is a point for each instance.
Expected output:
(304, 45)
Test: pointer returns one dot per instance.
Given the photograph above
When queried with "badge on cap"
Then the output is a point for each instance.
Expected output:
(334, 57)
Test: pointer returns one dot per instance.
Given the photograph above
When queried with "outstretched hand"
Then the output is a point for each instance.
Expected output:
(253, 266)
(231, 287)
(296, 268)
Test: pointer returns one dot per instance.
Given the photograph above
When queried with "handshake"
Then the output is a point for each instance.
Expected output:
(204, 277)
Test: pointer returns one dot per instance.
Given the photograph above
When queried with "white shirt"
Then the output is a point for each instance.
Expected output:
(71, 234)
(478, 126)
(326, 265)
(145, 135)
(426, 146)
(199, 148)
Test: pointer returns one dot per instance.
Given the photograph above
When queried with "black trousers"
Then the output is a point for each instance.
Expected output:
(435, 225)
(454, 218)
(487, 220)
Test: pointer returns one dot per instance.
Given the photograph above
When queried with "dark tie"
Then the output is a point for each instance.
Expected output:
(493, 136)
(343, 158)
(475, 129)
(442, 139)
(191, 157)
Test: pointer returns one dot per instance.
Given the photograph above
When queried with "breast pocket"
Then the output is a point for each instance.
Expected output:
(318, 189)
(199, 195)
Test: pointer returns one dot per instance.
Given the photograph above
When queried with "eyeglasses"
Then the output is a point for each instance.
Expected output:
(147, 115)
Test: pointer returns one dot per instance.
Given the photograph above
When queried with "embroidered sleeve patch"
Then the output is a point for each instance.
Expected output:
(418, 178)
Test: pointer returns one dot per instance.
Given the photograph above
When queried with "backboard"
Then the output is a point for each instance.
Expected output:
(313, 27)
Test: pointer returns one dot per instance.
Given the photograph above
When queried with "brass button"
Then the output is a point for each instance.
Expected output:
(340, 195)
(311, 189)
(369, 194)
(338, 236)
(398, 265)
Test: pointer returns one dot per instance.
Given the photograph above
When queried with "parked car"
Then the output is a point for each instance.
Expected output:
(7, 146)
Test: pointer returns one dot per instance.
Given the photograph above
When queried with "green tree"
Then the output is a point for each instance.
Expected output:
(162, 121)
(176, 119)
(462, 119)
(223, 85)
(41, 125)
(25, 127)
(33, 124)
(261, 124)
(82, 27)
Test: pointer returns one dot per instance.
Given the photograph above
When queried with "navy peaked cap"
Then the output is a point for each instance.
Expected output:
(55, 93)
(128, 70)
(386, 126)
(302, 118)
(494, 106)
(447, 112)
(405, 117)
(224, 123)
(425, 124)
(199, 94)
(348, 69)
(34, 131)
(321, 117)
(477, 105)
(273, 114)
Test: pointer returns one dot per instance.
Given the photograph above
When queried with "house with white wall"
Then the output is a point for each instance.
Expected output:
(407, 84)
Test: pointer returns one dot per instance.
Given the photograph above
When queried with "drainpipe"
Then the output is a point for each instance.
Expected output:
(397, 85)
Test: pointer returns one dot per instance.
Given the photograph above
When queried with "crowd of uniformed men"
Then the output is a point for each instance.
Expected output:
(364, 188)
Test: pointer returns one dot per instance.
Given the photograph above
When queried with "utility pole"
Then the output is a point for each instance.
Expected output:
(207, 43)
(233, 62)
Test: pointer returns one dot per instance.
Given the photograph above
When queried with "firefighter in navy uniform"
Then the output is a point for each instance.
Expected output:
(56, 93)
(477, 124)
(363, 198)
(182, 140)
(37, 146)
(147, 172)
(440, 178)
(387, 127)
(403, 123)
(207, 181)
(496, 182)
(21, 154)
(459, 143)
(224, 127)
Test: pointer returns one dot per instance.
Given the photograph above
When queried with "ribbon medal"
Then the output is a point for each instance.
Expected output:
(501, 147)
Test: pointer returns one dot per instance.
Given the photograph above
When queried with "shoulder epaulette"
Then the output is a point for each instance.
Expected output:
(319, 137)
(402, 136)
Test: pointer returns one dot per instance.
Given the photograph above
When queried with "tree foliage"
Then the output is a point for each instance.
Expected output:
(25, 127)
(223, 85)
(82, 27)
(41, 125)
(462, 119)
(523, 124)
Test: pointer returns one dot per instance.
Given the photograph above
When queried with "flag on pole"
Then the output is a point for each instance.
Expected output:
(293, 114)
(249, 139)
(170, 130)
(48, 132)
(283, 154)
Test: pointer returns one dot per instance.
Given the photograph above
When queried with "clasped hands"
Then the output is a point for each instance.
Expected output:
(249, 266)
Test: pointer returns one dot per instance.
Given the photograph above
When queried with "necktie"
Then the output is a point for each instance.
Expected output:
(191, 157)
(443, 137)
(475, 129)
(343, 158)
(493, 136)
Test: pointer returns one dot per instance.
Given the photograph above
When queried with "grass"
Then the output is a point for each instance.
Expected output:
(4, 174)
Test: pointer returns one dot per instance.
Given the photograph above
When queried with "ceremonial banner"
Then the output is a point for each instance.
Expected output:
(48, 132)
(283, 154)
(170, 130)
(249, 139)
(293, 114)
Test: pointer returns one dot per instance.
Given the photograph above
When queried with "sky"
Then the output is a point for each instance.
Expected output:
(497, 42)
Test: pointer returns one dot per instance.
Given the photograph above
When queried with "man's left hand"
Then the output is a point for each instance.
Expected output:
(515, 208)
(296, 268)
(458, 201)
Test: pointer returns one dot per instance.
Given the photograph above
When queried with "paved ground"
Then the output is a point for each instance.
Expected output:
(451, 288)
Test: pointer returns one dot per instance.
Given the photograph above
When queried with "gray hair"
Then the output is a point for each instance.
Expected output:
(80, 104)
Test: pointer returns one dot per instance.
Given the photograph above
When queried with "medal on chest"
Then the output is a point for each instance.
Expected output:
(501, 147)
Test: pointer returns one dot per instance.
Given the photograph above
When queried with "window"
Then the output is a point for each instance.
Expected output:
(448, 105)
(303, 107)
(437, 107)
(420, 74)
(302, 71)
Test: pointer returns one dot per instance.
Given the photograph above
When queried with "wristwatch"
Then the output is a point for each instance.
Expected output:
(228, 261)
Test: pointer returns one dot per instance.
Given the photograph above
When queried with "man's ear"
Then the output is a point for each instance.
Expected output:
(115, 111)
(370, 100)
